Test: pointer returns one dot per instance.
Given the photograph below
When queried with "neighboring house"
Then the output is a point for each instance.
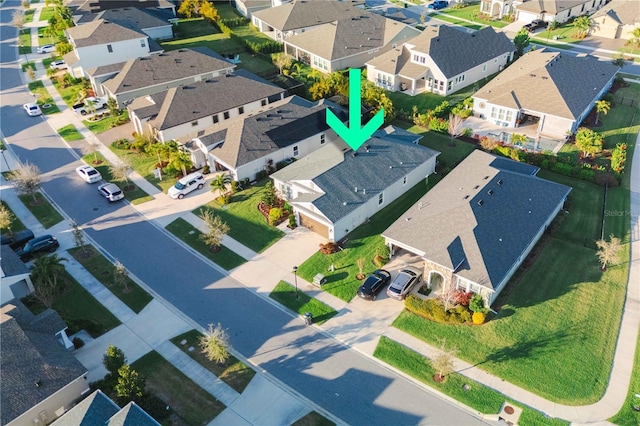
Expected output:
(156, 23)
(248, 7)
(441, 60)
(83, 7)
(348, 42)
(193, 107)
(15, 277)
(617, 19)
(334, 189)
(256, 142)
(99, 409)
(40, 378)
(547, 10)
(300, 16)
(476, 226)
(157, 73)
(544, 87)
(102, 42)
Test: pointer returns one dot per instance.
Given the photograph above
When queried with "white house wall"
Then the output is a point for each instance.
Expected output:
(556, 127)
(159, 33)
(122, 51)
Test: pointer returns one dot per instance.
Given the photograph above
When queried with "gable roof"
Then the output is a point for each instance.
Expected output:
(554, 75)
(166, 67)
(455, 51)
(337, 172)
(480, 218)
(398, 61)
(625, 12)
(130, 17)
(101, 31)
(10, 263)
(94, 6)
(549, 6)
(24, 336)
(351, 35)
(306, 13)
(256, 135)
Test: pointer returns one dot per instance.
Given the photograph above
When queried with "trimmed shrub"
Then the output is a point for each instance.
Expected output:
(235, 186)
(275, 214)
(78, 342)
(478, 318)
(122, 143)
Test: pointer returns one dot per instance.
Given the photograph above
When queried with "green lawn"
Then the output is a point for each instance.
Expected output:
(233, 372)
(225, 258)
(28, 15)
(68, 93)
(246, 223)
(26, 65)
(46, 13)
(226, 11)
(24, 41)
(93, 261)
(197, 32)
(106, 123)
(43, 97)
(69, 133)
(131, 191)
(627, 416)
(428, 100)
(285, 294)
(478, 397)
(257, 64)
(456, 21)
(145, 164)
(470, 13)
(47, 61)
(46, 214)
(16, 223)
(566, 33)
(189, 401)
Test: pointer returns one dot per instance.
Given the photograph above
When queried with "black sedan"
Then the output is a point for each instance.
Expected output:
(373, 284)
(45, 243)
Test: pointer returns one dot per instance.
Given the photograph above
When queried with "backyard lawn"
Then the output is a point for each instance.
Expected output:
(301, 303)
(46, 214)
(246, 224)
(470, 13)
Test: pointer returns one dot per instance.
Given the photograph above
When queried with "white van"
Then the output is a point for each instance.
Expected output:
(187, 184)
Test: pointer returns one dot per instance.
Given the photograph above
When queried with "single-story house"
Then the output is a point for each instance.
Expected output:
(478, 224)
(548, 10)
(193, 107)
(334, 189)
(156, 23)
(348, 42)
(442, 60)
(542, 86)
(83, 7)
(15, 277)
(156, 73)
(41, 378)
(617, 19)
(279, 132)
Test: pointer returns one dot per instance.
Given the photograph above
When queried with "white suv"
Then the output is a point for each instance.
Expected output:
(111, 192)
(186, 185)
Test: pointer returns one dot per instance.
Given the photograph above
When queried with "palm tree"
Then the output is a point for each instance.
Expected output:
(221, 182)
(48, 281)
(314, 74)
(636, 36)
(602, 106)
(583, 24)
(181, 160)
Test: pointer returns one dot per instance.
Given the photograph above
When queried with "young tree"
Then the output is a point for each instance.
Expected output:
(48, 280)
(269, 195)
(112, 104)
(208, 11)
(78, 235)
(26, 180)
(443, 362)
(121, 276)
(6, 218)
(17, 19)
(583, 24)
(282, 61)
(113, 359)
(608, 251)
(603, 107)
(588, 141)
(189, 8)
(130, 386)
(521, 41)
(220, 183)
(455, 128)
(214, 344)
(120, 171)
(217, 229)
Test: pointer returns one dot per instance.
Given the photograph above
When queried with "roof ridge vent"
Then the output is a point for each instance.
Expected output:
(490, 192)
(480, 202)
(499, 182)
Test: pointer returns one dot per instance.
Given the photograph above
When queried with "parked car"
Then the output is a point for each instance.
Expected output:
(39, 245)
(438, 4)
(89, 104)
(32, 109)
(404, 282)
(88, 174)
(373, 284)
(111, 192)
(58, 65)
(186, 185)
(17, 240)
(535, 24)
(47, 48)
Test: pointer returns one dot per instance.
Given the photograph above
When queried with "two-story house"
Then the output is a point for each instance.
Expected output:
(156, 23)
(547, 10)
(442, 60)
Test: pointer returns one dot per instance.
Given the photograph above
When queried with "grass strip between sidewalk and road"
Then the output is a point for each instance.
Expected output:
(16, 223)
(69, 133)
(43, 98)
(479, 397)
(93, 261)
(190, 402)
(40, 207)
(299, 302)
(225, 258)
(234, 372)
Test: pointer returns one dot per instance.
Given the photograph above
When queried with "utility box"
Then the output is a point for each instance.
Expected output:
(319, 280)
(308, 318)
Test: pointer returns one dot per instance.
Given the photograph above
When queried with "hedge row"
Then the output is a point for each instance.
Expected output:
(432, 309)
(266, 47)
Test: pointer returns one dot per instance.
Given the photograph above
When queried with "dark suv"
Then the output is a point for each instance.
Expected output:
(535, 24)
(37, 246)
(18, 239)
(373, 284)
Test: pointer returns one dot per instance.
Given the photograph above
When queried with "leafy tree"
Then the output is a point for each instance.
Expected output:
(455, 128)
(208, 11)
(112, 104)
(130, 386)
(588, 141)
(443, 362)
(519, 139)
(583, 24)
(113, 359)
(48, 32)
(521, 41)
(603, 107)
(217, 229)
(6, 217)
(220, 183)
(121, 276)
(608, 251)
(269, 194)
(189, 8)
(282, 61)
(619, 157)
(26, 180)
(48, 279)
(214, 344)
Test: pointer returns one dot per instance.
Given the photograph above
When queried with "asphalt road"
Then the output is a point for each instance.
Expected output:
(351, 386)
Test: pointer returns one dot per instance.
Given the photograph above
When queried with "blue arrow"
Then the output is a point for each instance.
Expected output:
(355, 135)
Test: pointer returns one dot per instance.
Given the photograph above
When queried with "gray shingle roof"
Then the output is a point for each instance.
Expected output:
(306, 13)
(455, 51)
(130, 17)
(50, 366)
(546, 82)
(96, 409)
(106, 69)
(94, 6)
(485, 207)
(102, 32)
(132, 415)
(166, 67)
(398, 61)
(549, 6)
(10, 262)
(626, 12)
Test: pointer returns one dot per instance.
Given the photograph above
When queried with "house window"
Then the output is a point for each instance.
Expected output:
(263, 102)
(215, 119)
(322, 139)
(320, 63)
(404, 180)
(441, 85)
(109, 48)
(295, 151)
(194, 123)
(380, 198)
(449, 84)
(484, 67)
(142, 43)
(241, 110)
(226, 115)
(430, 82)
